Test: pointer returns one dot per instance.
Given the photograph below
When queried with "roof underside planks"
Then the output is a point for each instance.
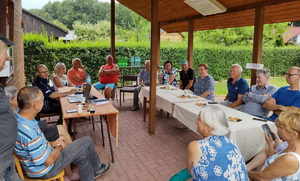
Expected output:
(174, 14)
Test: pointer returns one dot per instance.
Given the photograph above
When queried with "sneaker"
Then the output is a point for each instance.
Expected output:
(103, 170)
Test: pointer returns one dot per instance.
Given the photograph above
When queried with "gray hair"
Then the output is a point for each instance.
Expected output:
(26, 95)
(215, 118)
(238, 66)
(147, 61)
(265, 72)
(75, 60)
(11, 92)
(59, 65)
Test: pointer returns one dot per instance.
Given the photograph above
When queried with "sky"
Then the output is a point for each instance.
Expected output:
(38, 4)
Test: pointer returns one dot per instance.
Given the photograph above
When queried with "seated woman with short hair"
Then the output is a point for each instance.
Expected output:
(59, 77)
(283, 165)
(214, 157)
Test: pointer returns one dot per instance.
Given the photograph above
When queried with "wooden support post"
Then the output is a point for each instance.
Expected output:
(190, 44)
(113, 29)
(3, 17)
(258, 40)
(155, 58)
(11, 10)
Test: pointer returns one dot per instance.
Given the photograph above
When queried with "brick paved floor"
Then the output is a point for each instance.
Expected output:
(140, 156)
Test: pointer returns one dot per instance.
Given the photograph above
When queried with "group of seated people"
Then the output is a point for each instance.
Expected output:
(213, 157)
(25, 137)
(216, 157)
(75, 77)
(259, 100)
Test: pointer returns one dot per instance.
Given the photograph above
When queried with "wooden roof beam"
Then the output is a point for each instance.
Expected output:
(229, 10)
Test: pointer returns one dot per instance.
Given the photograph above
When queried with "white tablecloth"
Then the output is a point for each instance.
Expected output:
(166, 99)
(247, 134)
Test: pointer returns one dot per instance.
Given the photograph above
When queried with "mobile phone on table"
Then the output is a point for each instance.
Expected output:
(212, 102)
(268, 131)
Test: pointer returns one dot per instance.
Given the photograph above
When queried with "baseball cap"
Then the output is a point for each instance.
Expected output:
(183, 62)
(6, 41)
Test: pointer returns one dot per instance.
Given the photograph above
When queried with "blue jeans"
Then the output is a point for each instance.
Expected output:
(8, 171)
(82, 154)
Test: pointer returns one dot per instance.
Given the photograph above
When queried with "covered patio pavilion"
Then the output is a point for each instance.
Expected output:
(139, 155)
(176, 16)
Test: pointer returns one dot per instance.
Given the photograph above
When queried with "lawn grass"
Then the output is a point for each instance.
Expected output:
(221, 86)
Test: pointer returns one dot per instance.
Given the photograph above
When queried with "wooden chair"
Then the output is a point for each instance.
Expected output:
(128, 89)
(48, 116)
(58, 177)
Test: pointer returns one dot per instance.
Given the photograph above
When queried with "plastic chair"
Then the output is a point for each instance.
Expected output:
(59, 176)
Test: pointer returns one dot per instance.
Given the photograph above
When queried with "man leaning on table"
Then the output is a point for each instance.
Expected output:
(285, 96)
(8, 124)
(237, 87)
(38, 157)
(205, 84)
(258, 94)
(51, 96)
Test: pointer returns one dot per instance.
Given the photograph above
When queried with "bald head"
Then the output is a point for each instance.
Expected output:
(295, 68)
(109, 59)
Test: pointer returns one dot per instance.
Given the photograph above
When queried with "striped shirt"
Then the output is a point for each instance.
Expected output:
(32, 148)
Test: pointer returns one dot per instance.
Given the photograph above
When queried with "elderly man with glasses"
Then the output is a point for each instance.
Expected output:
(8, 124)
(51, 102)
(285, 96)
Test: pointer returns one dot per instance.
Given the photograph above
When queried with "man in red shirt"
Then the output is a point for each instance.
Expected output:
(109, 75)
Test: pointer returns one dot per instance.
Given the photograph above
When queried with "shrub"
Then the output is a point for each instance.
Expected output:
(39, 49)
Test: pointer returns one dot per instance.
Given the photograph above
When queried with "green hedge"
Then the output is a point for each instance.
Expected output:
(39, 49)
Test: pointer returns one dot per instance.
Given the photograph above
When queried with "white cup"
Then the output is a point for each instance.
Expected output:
(80, 107)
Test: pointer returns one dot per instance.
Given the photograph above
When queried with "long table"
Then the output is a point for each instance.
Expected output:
(247, 134)
(166, 98)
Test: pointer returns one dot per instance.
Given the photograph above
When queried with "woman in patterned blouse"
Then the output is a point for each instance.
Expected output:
(215, 157)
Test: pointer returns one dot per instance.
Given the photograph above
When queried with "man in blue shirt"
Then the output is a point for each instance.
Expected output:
(258, 94)
(38, 157)
(237, 87)
(205, 84)
(285, 96)
(8, 125)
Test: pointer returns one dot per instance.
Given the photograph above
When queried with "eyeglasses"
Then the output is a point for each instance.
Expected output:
(290, 75)
(44, 72)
